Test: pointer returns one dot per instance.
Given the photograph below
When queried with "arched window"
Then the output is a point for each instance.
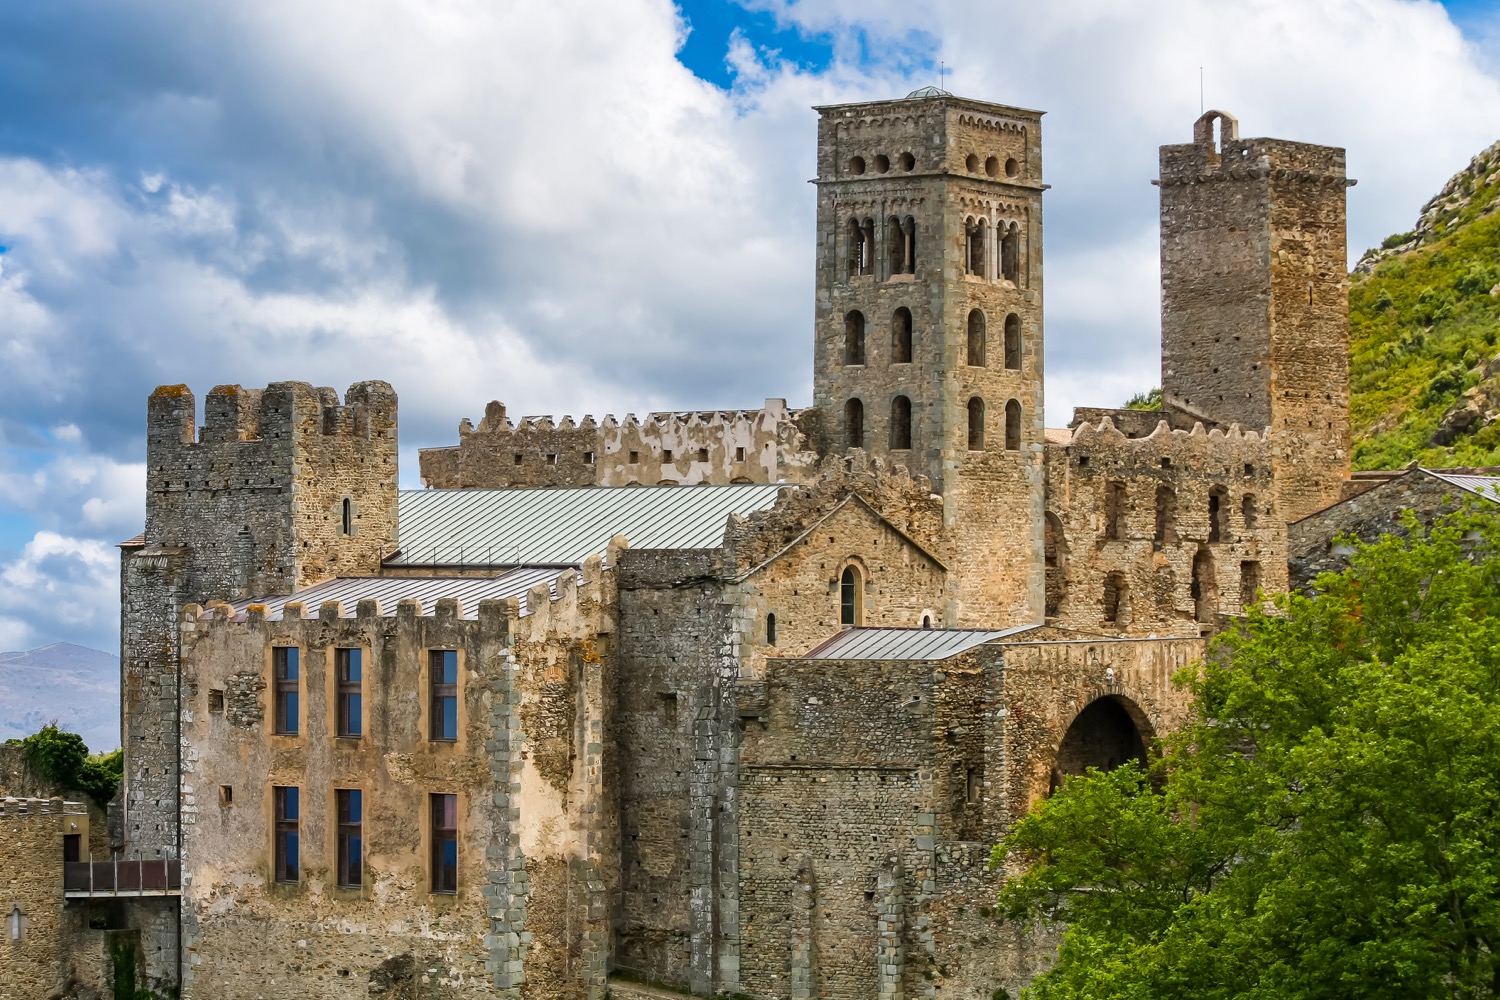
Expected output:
(900, 423)
(895, 246)
(1216, 513)
(1247, 511)
(1012, 426)
(854, 338)
(927, 621)
(1010, 254)
(851, 597)
(1013, 342)
(854, 423)
(346, 519)
(861, 246)
(976, 424)
(901, 336)
(974, 255)
(771, 629)
(976, 338)
(1204, 590)
(909, 230)
(1054, 559)
(1166, 515)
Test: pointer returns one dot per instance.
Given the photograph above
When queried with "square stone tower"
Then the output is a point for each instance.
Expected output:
(1255, 300)
(928, 337)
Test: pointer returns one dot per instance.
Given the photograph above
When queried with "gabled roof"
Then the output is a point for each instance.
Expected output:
(563, 527)
(391, 590)
(1487, 487)
(907, 643)
(811, 528)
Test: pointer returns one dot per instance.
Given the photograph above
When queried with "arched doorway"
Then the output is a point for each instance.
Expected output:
(1108, 732)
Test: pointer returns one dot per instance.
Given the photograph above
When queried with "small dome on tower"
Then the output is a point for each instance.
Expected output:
(925, 92)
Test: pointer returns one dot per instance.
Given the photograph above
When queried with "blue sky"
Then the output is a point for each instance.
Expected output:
(581, 206)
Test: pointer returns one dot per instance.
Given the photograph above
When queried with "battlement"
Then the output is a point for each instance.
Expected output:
(1199, 449)
(1217, 153)
(281, 411)
(769, 444)
(11, 808)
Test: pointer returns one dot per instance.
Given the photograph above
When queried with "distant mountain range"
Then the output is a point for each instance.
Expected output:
(77, 686)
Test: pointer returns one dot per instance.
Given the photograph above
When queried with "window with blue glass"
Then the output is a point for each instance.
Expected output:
(288, 686)
(444, 843)
(443, 691)
(288, 806)
(350, 667)
(351, 852)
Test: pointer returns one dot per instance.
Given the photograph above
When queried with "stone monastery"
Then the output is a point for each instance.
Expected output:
(731, 702)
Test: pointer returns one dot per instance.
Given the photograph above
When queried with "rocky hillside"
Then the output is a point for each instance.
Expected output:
(77, 687)
(1424, 324)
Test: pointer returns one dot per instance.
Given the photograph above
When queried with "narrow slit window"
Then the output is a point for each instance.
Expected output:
(288, 807)
(1013, 342)
(351, 849)
(445, 843)
(350, 666)
(854, 423)
(850, 599)
(976, 424)
(288, 684)
(854, 338)
(771, 629)
(443, 680)
(346, 516)
(900, 423)
(976, 339)
(901, 336)
(1013, 427)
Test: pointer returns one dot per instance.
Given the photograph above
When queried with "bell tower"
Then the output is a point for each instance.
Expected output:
(928, 336)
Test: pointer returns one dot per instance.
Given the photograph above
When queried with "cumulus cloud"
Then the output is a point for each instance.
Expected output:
(540, 203)
(60, 585)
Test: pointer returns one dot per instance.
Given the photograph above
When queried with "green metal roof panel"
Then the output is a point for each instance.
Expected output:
(563, 527)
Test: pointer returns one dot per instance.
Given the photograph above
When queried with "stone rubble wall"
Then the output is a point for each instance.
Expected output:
(41, 962)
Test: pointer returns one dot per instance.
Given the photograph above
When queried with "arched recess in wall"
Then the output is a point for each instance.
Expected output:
(1205, 589)
(1109, 732)
(852, 595)
(901, 336)
(861, 247)
(895, 246)
(976, 424)
(900, 423)
(1013, 342)
(1218, 499)
(854, 424)
(1166, 516)
(1055, 561)
(854, 338)
(1012, 426)
(974, 246)
(1010, 254)
(976, 338)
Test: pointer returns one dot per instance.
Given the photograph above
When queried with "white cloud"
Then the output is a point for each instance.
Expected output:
(60, 587)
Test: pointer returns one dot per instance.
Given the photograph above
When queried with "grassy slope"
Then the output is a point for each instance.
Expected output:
(1422, 327)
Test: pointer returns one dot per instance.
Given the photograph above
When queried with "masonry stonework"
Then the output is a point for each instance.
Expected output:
(671, 767)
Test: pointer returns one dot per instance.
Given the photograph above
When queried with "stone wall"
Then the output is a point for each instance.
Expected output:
(536, 837)
(40, 962)
(1129, 520)
(769, 445)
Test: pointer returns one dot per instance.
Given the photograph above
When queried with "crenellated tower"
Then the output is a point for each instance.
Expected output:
(1255, 300)
(928, 342)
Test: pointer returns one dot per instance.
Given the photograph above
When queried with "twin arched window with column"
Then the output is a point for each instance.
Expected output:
(861, 247)
(975, 257)
(1010, 253)
(901, 245)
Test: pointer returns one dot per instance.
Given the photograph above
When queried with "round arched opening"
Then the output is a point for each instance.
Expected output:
(907, 161)
(1106, 734)
(992, 166)
(857, 165)
(882, 163)
(971, 162)
(1012, 167)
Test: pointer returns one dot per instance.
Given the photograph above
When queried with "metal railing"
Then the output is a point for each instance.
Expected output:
(122, 878)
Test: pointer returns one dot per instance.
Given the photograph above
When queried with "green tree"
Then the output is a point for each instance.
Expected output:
(62, 758)
(1145, 400)
(1329, 826)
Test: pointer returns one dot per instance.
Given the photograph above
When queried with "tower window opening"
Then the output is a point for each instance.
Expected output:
(909, 231)
(1010, 254)
(895, 245)
(851, 597)
(854, 338)
(976, 338)
(1249, 582)
(346, 516)
(854, 423)
(1013, 342)
(976, 424)
(1116, 598)
(1247, 511)
(1012, 168)
(974, 249)
(882, 163)
(901, 336)
(1114, 511)
(857, 165)
(971, 163)
(861, 246)
(907, 161)
(1216, 530)
(771, 629)
(900, 423)
(992, 166)
(1166, 514)
(1012, 426)
(1205, 592)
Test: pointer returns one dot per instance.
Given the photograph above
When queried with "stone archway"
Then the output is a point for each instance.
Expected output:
(1108, 732)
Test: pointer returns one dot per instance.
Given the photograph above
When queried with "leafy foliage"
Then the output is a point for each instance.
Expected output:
(1422, 326)
(1328, 827)
(1145, 400)
(62, 759)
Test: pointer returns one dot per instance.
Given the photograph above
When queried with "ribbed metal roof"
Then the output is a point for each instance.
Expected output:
(906, 643)
(390, 590)
(1484, 486)
(563, 527)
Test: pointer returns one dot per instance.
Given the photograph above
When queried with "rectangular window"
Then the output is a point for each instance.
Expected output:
(443, 670)
(351, 818)
(72, 847)
(288, 817)
(350, 666)
(445, 843)
(288, 686)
